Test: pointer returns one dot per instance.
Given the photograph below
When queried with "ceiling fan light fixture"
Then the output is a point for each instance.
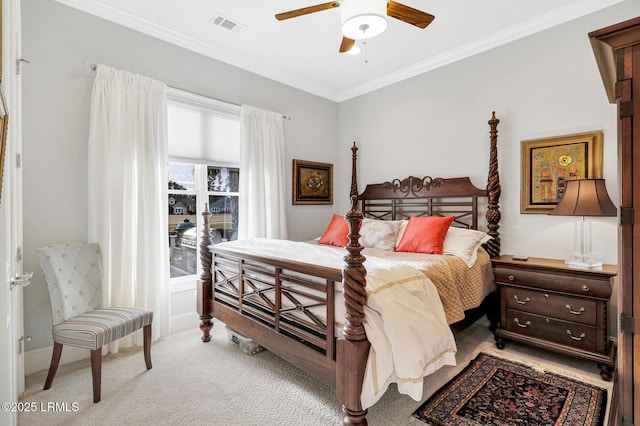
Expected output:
(363, 19)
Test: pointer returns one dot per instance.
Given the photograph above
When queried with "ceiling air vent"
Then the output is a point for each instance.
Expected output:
(226, 23)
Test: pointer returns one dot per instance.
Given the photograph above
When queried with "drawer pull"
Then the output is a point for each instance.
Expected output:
(585, 288)
(575, 312)
(525, 325)
(512, 277)
(582, 336)
(522, 302)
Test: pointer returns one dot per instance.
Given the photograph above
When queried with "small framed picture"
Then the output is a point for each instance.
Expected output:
(312, 182)
(547, 164)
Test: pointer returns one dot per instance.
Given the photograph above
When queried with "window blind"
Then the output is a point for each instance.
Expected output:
(202, 130)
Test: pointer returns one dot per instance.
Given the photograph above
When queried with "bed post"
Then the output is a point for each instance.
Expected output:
(205, 280)
(353, 346)
(354, 176)
(493, 192)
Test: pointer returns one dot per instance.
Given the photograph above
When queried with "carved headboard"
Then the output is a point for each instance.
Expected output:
(412, 196)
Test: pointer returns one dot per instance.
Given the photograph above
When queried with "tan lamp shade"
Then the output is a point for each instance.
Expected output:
(585, 197)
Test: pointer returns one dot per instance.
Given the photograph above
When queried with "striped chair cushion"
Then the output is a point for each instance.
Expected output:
(96, 328)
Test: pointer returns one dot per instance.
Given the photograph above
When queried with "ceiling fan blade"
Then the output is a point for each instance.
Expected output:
(409, 15)
(307, 10)
(346, 45)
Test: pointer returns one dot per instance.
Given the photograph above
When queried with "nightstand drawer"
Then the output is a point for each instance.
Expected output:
(563, 332)
(560, 282)
(551, 305)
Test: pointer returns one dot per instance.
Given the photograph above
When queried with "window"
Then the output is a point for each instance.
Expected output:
(204, 144)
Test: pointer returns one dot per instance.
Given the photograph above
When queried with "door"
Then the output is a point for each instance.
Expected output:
(11, 328)
(617, 50)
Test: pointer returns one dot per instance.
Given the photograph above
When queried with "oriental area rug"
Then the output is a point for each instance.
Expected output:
(495, 391)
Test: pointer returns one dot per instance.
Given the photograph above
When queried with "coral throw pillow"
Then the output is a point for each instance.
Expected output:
(337, 233)
(425, 234)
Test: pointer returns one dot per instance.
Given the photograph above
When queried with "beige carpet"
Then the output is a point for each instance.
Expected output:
(216, 384)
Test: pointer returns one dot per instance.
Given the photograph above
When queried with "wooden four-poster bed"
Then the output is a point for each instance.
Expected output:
(289, 307)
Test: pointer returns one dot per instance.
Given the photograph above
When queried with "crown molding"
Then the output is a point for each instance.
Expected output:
(516, 32)
(557, 17)
(118, 16)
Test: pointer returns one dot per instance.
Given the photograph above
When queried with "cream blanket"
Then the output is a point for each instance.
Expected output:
(407, 328)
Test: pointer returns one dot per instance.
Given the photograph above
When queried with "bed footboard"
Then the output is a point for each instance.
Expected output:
(272, 300)
(287, 307)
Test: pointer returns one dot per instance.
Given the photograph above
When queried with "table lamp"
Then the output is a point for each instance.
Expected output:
(584, 197)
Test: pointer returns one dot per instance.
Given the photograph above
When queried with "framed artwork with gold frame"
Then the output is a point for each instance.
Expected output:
(548, 163)
(4, 121)
(312, 182)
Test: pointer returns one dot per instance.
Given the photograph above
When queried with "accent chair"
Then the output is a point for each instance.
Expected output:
(73, 273)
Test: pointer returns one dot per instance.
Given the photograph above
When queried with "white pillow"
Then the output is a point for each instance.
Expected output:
(380, 234)
(464, 243)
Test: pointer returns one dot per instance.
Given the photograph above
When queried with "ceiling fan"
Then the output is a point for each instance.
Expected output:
(363, 19)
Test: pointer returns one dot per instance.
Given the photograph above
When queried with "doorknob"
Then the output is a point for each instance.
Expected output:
(20, 280)
(21, 343)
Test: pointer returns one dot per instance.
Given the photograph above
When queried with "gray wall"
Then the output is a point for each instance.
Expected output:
(57, 88)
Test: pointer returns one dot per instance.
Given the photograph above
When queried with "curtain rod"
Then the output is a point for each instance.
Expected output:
(94, 67)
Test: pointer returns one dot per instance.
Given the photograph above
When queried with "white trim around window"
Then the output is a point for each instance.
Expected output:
(203, 102)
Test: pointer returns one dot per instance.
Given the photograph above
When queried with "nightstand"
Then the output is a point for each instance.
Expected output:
(547, 304)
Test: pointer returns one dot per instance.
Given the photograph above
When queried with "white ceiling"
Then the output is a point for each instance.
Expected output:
(303, 52)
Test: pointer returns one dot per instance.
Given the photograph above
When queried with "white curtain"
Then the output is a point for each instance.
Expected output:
(127, 186)
(261, 210)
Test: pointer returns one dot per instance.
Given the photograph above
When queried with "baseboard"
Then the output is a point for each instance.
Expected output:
(40, 359)
(184, 322)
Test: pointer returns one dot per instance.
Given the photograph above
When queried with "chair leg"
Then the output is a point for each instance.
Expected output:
(96, 372)
(53, 368)
(146, 332)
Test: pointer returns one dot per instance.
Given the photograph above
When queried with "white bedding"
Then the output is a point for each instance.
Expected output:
(407, 329)
(404, 318)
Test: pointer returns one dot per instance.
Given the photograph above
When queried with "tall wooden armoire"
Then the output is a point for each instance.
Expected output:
(617, 51)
